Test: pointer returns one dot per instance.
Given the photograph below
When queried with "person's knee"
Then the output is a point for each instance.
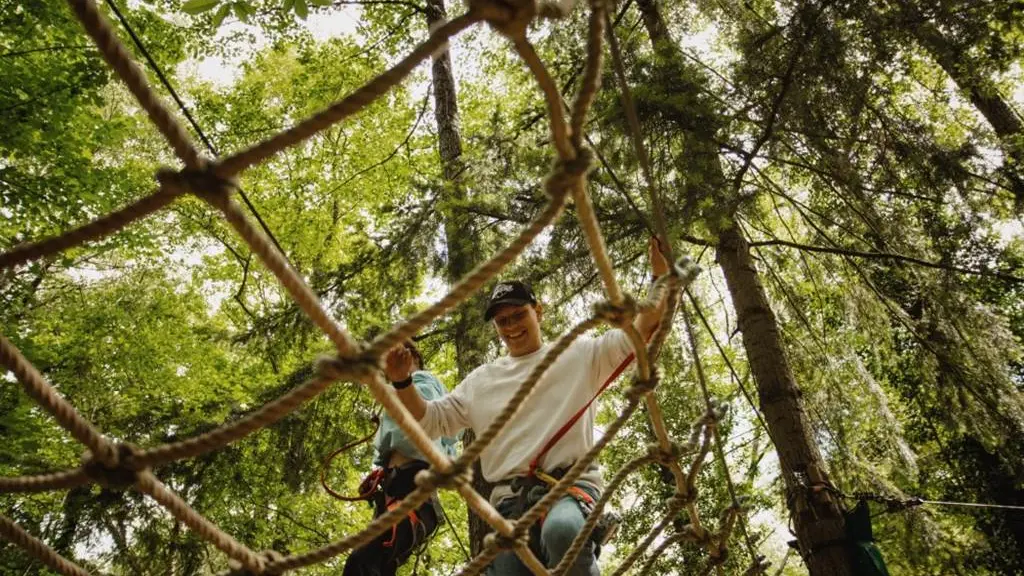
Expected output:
(506, 564)
(559, 531)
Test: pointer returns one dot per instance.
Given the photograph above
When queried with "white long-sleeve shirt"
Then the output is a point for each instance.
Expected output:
(563, 389)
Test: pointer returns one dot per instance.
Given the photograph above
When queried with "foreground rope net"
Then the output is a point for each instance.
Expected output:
(123, 466)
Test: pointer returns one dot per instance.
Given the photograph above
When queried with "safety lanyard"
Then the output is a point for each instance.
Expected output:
(377, 474)
(533, 471)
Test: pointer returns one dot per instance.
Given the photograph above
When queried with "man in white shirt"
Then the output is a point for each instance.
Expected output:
(563, 390)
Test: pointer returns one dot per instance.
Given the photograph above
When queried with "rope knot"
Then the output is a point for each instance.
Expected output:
(202, 181)
(618, 315)
(459, 475)
(360, 368)
(505, 543)
(666, 457)
(120, 474)
(567, 173)
(682, 499)
(759, 566)
(718, 553)
(684, 270)
(641, 388)
(715, 413)
(508, 17)
(266, 557)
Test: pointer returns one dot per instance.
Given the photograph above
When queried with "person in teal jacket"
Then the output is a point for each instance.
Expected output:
(397, 462)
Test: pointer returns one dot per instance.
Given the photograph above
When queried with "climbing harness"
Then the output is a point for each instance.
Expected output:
(401, 480)
(535, 463)
(523, 487)
(374, 487)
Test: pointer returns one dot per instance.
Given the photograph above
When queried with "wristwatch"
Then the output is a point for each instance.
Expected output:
(403, 383)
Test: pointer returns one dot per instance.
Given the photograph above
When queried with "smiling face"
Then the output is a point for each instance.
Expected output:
(519, 328)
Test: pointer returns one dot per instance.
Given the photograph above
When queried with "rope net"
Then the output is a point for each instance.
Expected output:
(123, 466)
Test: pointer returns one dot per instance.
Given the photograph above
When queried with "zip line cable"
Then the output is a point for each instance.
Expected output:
(973, 505)
(191, 120)
(895, 504)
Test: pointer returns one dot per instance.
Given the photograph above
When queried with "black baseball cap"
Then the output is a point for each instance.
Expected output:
(510, 292)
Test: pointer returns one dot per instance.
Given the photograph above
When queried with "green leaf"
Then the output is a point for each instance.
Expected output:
(199, 6)
(322, 2)
(221, 14)
(301, 9)
(240, 11)
(288, 5)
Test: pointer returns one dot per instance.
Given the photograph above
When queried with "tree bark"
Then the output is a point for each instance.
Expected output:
(461, 239)
(819, 523)
(817, 518)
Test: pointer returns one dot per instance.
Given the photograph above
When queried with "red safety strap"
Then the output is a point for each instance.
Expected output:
(414, 520)
(373, 478)
(564, 429)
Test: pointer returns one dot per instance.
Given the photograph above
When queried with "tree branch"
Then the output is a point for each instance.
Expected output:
(490, 212)
(888, 256)
(773, 115)
(411, 5)
(46, 49)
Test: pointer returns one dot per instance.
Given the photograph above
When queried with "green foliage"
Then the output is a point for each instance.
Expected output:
(910, 375)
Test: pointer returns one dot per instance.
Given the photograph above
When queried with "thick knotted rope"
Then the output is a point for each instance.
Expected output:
(505, 543)
(566, 175)
(667, 457)
(202, 181)
(38, 549)
(617, 314)
(120, 475)
(641, 388)
(121, 466)
(359, 369)
(459, 475)
(269, 557)
(510, 18)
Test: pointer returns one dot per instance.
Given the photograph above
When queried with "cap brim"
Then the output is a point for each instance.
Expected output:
(493, 307)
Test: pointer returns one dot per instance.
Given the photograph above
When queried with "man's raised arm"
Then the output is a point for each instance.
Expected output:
(647, 321)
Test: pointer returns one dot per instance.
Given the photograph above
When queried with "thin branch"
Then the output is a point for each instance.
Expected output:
(36, 98)
(416, 7)
(773, 115)
(491, 212)
(46, 49)
(732, 369)
(888, 256)
(404, 143)
(399, 26)
(241, 289)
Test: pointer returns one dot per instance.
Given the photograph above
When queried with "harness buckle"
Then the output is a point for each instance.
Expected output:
(545, 477)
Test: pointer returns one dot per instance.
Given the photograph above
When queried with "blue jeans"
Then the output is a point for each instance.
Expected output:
(563, 522)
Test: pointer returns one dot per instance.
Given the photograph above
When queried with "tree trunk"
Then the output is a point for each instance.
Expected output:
(817, 519)
(982, 93)
(820, 526)
(470, 330)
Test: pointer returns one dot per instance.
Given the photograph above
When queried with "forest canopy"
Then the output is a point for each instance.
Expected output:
(849, 175)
